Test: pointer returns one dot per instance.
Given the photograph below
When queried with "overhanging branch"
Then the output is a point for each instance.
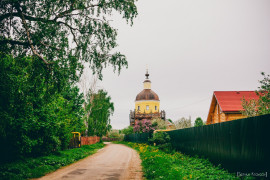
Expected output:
(13, 42)
(28, 37)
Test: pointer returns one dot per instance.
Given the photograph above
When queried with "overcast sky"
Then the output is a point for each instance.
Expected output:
(192, 48)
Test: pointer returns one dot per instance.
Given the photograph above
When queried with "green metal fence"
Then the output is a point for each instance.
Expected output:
(138, 137)
(239, 145)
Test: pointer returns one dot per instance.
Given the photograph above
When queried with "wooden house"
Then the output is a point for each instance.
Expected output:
(227, 105)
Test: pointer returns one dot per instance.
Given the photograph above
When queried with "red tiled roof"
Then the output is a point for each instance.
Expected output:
(232, 100)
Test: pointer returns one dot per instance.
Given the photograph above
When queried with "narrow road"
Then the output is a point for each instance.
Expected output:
(113, 162)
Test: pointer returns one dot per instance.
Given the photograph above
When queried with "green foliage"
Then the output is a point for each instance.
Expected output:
(114, 134)
(250, 107)
(159, 123)
(100, 109)
(160, 165)
(40, 65)
(128, 130)
(264, 94)
(262, 106)
(36, 117)
(37, 167)
(198, 122)
(183, 123)
(42, 27)
(162, 140)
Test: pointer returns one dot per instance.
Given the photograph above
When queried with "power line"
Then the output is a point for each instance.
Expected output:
(196, 102)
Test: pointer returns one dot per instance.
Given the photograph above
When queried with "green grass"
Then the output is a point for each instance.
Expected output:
(160, 165)
(37, 167)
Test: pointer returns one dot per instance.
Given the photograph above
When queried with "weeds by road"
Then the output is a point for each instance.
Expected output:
(160, 165)
(37, 167)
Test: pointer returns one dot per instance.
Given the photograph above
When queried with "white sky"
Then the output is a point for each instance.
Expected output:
(192, 48)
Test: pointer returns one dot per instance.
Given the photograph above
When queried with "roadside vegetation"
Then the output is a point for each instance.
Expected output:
(114, 135)
(46, 46)
(37, 167)
(261, 106)
(158, 164)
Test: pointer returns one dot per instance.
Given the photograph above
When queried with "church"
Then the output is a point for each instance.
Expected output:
(147, 104)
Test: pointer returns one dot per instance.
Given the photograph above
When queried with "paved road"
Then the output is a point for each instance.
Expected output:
(113, 162)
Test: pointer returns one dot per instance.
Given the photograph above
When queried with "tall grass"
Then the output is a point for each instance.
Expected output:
(176, 166)
(37, 167)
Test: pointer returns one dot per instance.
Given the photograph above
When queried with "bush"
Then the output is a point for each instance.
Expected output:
(144, 125)
(162, 140)
(128, 130)
(198, 122)
(159, 123)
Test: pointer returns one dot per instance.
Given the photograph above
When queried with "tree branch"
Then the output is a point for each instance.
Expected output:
(71, 30)
(62, 14)
(2, 17)
(47, 45)
(13, 42)
(28, 36)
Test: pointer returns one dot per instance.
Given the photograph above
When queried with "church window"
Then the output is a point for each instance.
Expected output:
(155, 107)
(147, 107)
(138, 108)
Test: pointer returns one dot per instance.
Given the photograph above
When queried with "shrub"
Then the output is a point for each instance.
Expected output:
(159, 123)
(143, 126)
(162, 140)
(198, 122)
(128, 130)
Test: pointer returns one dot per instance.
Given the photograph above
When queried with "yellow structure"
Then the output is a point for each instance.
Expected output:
(147, 104)
(75, 142)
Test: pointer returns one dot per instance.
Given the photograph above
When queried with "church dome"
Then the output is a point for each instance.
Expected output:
(147, 94)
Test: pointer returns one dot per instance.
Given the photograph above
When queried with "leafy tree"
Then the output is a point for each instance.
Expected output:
(159, 123)
(44, 45)
(262, 106)
(62, 34)
(198, 122)
(183, 123)
(264, 95)
(127, 130)
(143, 125)
(250, 107)
(101, 110)
(35, 119)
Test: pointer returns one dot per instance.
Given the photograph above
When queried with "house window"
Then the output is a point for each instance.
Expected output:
(147, 107)
(155, 107)
(138, 108)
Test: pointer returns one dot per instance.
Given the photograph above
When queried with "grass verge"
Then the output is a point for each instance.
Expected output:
(37, 167)
(160, 165)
